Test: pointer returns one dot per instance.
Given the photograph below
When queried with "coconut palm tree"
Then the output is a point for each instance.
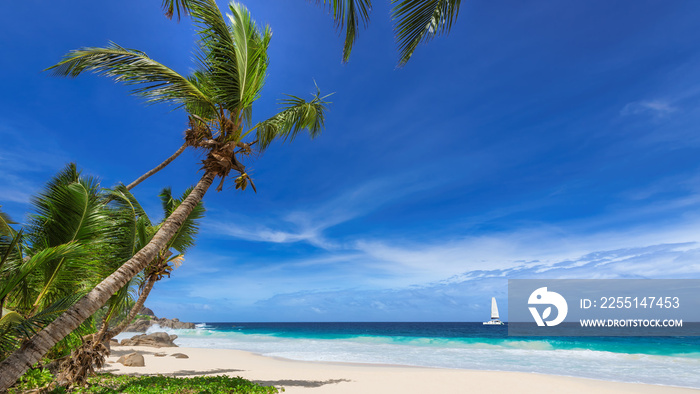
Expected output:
(48, 264)
(415, 21)
(138, 231)
(218, 97)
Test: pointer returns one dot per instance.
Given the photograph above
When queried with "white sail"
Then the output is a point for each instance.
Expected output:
(494, 308)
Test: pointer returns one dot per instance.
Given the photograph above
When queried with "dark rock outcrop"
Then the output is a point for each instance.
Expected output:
(157, 339)
(174, 323)
(146, 312)
(142, 324)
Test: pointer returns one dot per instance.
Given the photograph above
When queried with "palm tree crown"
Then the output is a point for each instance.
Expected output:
(218, 97)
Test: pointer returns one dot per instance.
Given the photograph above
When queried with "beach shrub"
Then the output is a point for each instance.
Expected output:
(113, 384)
(32, 379)
(142, 317)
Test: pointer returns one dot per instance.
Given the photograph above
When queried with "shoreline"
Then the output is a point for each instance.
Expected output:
(320, 377)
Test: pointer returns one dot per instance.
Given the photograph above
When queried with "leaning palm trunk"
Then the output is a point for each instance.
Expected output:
(218, 98)
(94, 351)
(158, 167)
(31, 351)
(132, 313)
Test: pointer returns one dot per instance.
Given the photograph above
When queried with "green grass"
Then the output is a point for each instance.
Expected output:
(112, 384)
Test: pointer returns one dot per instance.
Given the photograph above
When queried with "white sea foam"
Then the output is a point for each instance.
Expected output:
(523, 356)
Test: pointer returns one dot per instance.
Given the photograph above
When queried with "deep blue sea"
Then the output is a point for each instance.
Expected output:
(671, 361)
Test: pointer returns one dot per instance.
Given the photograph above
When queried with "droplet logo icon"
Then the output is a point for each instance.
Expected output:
(543, 297)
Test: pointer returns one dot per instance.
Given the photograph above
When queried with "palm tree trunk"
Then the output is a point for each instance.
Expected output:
(82, 361)
(132, 313)
(158, 168)
(31, 351)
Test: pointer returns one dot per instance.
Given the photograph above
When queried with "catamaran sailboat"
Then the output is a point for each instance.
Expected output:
(494, 314)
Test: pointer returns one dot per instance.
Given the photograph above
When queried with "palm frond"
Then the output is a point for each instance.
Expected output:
(202, 81)
(251, 55)
(126, 200)
(6, 252)
(120, 303)
(49, 313)
(348, 15)
(172, 7)
(177, 260)
(297, 114)
(9, 340)
(184, 238)
(216, 50)
(417, 21)
(127, 216)
(5, 222)
(167, 201)
(21, 270)
(145, 231)
(133, 67)
(69, 209)
(233, 56)
(9, 239)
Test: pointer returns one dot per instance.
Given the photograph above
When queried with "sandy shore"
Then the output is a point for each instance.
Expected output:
(335, 378)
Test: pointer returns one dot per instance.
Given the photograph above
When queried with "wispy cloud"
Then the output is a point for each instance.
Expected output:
(438, 279)
(656, 108)
(26, 162)
(467, 296)
(308, 225)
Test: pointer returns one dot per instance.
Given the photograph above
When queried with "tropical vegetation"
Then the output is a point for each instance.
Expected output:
(50, 263)
(78, 235)
(217, 97)
(113, 384)
(137, 231)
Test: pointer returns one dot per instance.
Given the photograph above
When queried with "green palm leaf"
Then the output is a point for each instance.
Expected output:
(419, 21)
(128, 217)
(217, 52)
(232, 56)
(13, 246)
(70, 209)
(34, 323)
(202, 81)
(172, 7)
(18, 272)
(132, 67)
(348, 15)
(297, 114)
(126, 201)
(14, 327)
(251, 56)
(184, 238)
(5, 222)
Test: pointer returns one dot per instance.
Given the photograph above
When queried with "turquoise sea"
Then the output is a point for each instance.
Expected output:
(673, 361)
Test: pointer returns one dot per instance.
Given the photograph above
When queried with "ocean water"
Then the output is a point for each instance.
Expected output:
(673, 361)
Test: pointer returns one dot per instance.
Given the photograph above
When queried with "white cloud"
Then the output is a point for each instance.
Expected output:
(658, 108)
(23, 159)
(309, 224)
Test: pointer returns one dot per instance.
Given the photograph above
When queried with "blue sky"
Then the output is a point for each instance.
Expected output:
(539, 140)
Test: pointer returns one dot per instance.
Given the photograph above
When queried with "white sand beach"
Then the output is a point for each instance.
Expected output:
(339, 378)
